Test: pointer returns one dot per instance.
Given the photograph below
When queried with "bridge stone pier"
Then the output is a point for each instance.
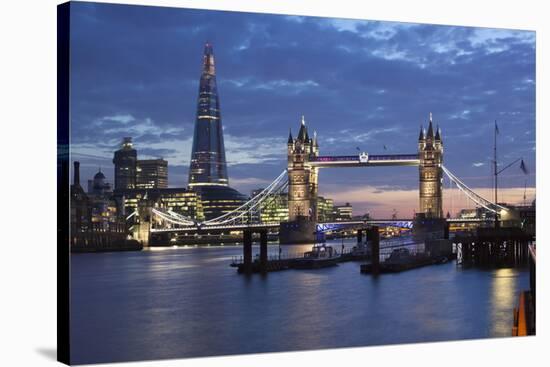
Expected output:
(304, 163)
(142, 229)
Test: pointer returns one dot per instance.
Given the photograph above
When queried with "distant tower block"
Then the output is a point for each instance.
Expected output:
(125, 161)
(430, 152)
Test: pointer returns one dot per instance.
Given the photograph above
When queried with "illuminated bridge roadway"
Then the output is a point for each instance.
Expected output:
(321, 227)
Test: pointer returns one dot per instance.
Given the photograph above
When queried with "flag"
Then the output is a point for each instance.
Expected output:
(523, 167)
(385, 147)
(496, 127)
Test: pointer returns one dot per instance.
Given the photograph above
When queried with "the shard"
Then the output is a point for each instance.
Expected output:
(208, 165)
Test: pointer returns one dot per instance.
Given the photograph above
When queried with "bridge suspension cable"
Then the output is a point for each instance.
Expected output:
(265, 196)
(278, 185)
(249, 210)
(478, 199)
(131, 215)
(173, 217)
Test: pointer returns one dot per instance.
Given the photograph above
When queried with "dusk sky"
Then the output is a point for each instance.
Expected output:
(135, 72)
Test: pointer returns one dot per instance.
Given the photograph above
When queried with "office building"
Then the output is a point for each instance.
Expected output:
(208, 169)
(125, 161)
(180, 200)
(343, 212)
(208, 165)
(325, 207)
(152, 174)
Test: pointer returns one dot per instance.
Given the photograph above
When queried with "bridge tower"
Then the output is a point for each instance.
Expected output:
(302, 178)
(430, 152)
(302, 188)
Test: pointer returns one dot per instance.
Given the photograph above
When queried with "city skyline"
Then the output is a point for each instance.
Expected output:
(381, 78)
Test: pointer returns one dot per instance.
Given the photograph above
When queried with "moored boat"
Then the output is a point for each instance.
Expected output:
(320, 256)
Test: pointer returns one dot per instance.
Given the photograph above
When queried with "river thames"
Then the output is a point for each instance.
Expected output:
(188, 302)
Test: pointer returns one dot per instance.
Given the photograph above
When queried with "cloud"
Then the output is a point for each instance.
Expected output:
(123, 119)
(254, 150)
(357, 136)
(488, 36)
(279, 85)
(250, 181)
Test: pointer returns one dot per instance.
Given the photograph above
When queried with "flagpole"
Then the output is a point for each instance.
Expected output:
(496, 173)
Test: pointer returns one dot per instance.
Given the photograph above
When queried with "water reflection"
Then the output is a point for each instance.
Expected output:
(188, 302)
(504, 296)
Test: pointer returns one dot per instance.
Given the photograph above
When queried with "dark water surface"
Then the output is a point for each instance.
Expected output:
(188, 302)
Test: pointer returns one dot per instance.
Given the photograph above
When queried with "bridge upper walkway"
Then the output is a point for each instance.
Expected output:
(365, 160)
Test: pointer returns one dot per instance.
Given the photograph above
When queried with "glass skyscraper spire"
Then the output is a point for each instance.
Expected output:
(208, 166)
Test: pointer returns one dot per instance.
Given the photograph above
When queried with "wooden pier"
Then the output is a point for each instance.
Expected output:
(490, 247)
(264, 263)
(283, 262)
(432, 253)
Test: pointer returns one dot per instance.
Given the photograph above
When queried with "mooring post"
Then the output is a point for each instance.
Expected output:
(263, 250)
(247, 251)
(467, 253)
(359, 236)
(373, 236)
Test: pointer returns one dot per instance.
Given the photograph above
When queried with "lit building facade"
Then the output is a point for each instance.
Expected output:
(125, 161)
(217, 200)
(275, 210)
(430, 152)
(152, 174)
(105, 215)
(325, 207)
(180, 200)
(95, 219)
(343, 212)
(476, 213)
(208, 165)
(255, 213)
(133, 173)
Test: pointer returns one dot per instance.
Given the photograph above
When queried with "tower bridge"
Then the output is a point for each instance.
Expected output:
(304, 163)
(300, 182)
